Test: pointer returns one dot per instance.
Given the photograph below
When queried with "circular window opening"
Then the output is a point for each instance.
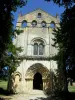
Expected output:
(43, 24)
(24, 23)
(34, 23)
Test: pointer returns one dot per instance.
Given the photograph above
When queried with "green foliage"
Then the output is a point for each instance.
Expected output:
(65, 38)
(7, 32)
(58, 81)
(17, 31)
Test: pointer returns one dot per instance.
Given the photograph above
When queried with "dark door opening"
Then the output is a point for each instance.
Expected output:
(37, 81)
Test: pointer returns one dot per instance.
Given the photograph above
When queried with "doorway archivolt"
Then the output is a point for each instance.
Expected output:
(32, 70)
(35, 73)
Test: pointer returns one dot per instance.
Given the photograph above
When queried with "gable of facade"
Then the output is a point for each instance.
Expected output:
(36, 29)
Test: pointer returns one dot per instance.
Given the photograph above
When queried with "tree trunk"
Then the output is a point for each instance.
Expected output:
(10, 84)
(65, 81)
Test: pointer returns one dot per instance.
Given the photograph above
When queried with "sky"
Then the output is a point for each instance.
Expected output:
(32, 5)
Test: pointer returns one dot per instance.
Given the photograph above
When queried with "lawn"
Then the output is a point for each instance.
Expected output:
(71, 88)
(3, 84)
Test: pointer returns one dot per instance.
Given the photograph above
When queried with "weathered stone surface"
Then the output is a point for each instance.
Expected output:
(32, 64)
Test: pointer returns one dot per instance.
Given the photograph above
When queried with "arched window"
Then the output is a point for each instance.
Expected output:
(39, 15)
(41, 49)
(24, 23)
(17, 77)
(52, 24)
(35, 49)
(43, 24)
(34, 23)
(38, 47)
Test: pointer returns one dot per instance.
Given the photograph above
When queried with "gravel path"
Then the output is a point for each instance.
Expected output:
(34, 95)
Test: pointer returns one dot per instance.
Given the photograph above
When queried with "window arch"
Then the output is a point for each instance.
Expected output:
(38, 47)
(35, 49)
(34, 23)
(52, 24)
(17, 76)
(39, 15)
(24, 24)
(41, 49)
(43, 24)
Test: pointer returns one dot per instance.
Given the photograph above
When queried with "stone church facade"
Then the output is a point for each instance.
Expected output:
(36, 42)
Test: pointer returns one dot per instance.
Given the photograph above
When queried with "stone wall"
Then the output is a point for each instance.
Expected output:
(25, 73)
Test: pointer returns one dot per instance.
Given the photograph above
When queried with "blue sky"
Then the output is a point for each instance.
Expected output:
(31, 5)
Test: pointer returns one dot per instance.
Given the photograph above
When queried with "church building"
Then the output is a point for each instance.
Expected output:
(33, 73)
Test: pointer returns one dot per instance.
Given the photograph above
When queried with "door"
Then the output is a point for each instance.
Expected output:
(37, 81)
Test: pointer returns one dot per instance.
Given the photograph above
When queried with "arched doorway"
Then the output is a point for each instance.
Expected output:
(36, 77)
(37, 81)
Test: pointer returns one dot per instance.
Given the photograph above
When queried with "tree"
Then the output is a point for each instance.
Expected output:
(8, 51)
(65, 39)
(6, 26)
(65, 3)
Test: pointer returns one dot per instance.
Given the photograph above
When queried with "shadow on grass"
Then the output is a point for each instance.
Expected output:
(4, 94)
(58, 96)
(41, 98)
(64, 96)
(4, 99)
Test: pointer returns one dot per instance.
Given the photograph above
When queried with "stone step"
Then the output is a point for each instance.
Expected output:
(36, 92)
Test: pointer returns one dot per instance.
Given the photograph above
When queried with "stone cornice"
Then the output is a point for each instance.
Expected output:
(35, 57)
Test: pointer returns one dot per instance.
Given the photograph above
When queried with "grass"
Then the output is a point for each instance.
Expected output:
(3, 84)
(4, 95)
(3, 87)
(71, 88)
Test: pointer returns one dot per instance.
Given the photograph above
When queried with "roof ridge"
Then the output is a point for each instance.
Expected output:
(36, 10)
